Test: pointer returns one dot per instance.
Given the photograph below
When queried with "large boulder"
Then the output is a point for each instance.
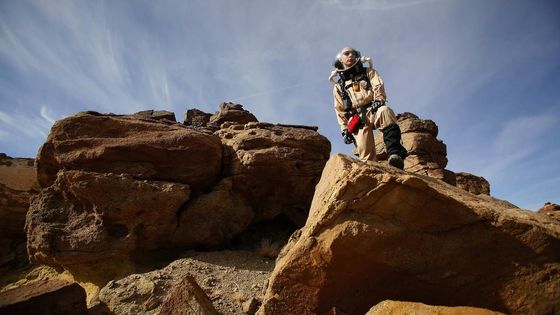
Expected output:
(52, 297)
(472, 183)
(85, 217)
(119, 184)
(187, 298)
(144, 148)
(213, 219)
(377, 233)
(275, 167)
(231, 112)
(550, 209)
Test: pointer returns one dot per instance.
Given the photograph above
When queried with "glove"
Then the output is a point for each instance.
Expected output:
(377, 104)
(347, 136)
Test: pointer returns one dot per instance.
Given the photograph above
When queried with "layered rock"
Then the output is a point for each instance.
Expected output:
(472, 183)
(143, 148)
(119, 184)
(427, 155)
(231, 112)
(196, 118)
(85, 217)
(275, 167)
(377, 233)
(45, 297)
(18, 182)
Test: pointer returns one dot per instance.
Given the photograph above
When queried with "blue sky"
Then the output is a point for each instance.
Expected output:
(486, 71)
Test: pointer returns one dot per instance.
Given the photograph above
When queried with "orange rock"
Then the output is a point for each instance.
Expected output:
(377, 233)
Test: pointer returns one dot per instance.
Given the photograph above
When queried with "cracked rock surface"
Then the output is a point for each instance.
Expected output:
(376, 233)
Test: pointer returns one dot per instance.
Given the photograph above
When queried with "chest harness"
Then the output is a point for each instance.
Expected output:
(355, 74)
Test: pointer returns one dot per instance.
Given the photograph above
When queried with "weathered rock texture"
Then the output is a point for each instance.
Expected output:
(233, 113)
(400, 308)
(228, 278)
(376, 233)
(51, 297)
(427, 155)
(18, 182)
(472, 183)
(144, 148)
(115, 185)
(274, 167)
(187, 298)
(86, 216)
(196, 118)
(550, 209)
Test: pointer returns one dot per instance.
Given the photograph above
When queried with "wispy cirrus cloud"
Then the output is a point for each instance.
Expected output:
(380, 5)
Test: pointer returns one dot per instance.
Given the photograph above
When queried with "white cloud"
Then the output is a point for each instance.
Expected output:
(4, 135)
(30, 126)
(45, 114)
(380, 5)
(519, 139)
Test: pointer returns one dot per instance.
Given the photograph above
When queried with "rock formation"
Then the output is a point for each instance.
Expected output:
(187, 298)
(395, 308)
(377, 233)
(472, 183)
(143, 148)
(118, 191)
(154, 292)
(551, 210)
(18, 183)
(86, 216)
(427, 155)
(45, 297)
(114, 185)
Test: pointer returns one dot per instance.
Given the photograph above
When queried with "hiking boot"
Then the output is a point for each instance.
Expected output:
(396, 161)
(392, 138)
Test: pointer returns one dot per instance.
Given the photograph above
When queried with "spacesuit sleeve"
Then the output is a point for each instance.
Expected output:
(339, 109)
(377, 84)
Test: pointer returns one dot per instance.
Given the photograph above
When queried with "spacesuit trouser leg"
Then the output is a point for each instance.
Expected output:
(365, 143)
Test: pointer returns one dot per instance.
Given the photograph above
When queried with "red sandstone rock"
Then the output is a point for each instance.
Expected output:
(88, 216)
(50, 297)
(551, 210)
(232, 113)
(145, 149)
(213, 219)
(377, 233)
(18, 183)
(275, 168)
(187, 298)
(427, 155)
(472, 183)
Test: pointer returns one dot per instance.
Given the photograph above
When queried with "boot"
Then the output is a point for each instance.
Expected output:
(396, 152)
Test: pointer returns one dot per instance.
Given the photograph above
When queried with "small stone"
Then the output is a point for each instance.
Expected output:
(251, 306)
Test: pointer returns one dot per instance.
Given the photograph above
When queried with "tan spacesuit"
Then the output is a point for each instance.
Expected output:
(360, 103)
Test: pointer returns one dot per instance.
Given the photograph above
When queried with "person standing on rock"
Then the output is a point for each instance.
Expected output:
(360, 103)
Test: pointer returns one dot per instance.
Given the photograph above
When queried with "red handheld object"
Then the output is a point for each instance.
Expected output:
(354, 123)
